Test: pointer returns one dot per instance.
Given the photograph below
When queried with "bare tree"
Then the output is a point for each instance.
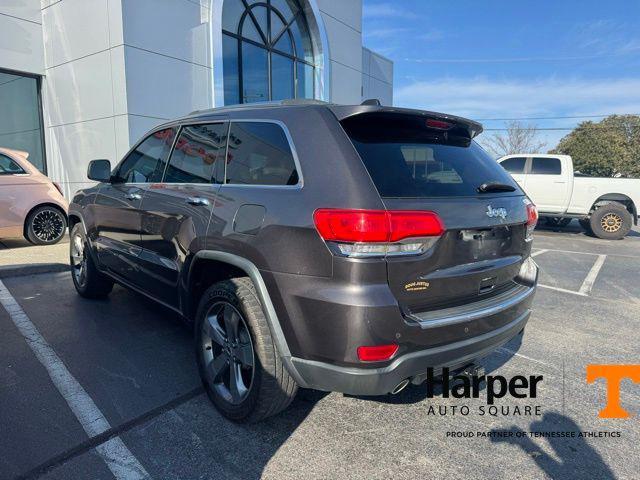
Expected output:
(517, 138)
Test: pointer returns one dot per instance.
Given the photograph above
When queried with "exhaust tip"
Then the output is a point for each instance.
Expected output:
(401, 386)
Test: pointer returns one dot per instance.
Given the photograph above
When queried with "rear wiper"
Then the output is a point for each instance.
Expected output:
(495, 187)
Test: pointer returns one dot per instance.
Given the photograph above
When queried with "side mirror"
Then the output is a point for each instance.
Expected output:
(99, 170)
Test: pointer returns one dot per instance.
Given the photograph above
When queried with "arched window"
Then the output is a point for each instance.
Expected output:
(267, 51)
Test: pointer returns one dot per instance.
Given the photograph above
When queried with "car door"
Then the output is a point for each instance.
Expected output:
(14, 180)
(516, 167)
(117, 205)
(546, 184)
(176, 211)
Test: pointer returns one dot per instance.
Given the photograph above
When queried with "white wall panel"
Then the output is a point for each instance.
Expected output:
(74, 29)
(346, 11)
(25, 9)
(21, 45)
(345, 43)
(80, 90)
(176, 28)
(345, 84)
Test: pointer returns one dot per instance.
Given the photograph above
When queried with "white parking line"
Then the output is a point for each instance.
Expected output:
(587, 285)
(539, 252)
(114, 452)
(564, 290)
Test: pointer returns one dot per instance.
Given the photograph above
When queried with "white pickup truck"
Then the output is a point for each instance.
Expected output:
(606, 207)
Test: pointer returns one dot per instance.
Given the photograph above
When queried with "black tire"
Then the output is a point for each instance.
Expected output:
(586, 225)
(88, 280)
(611, 221)
(271, 389)
(45, 225)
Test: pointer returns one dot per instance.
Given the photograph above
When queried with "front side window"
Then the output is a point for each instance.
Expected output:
(146, 163)
(259, 154)
(198, 156)
(267, 51)
(514, 165)
(546, 166)
(8, 166)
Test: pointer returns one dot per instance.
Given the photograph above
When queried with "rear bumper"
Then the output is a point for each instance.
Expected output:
(380, 381)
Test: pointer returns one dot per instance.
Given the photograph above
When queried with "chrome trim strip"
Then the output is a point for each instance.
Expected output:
(472, 311)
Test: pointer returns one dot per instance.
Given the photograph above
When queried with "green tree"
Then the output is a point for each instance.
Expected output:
(607, 148)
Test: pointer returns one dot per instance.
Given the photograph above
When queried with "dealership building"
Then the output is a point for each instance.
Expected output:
(84, 79)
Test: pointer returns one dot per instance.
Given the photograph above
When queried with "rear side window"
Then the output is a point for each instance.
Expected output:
(406, 159)
(546, 166)
(146, 163)
(514, 165)
(198, 154)
(259, 154)
(8, 166)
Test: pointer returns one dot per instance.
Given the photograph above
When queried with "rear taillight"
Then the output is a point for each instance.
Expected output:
(377, 353)
(368, 233)
(59, 188)
(532, 218)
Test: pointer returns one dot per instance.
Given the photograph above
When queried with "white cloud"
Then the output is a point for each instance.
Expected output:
(479, 97)
(385, 32)
(386, 10)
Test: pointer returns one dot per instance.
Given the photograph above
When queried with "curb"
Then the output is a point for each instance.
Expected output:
(33, 269)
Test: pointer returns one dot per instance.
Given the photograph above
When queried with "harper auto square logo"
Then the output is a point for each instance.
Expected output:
(613, 374)
(496, 212)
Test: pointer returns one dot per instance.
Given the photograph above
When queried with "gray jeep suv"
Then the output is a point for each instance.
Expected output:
(341, 248)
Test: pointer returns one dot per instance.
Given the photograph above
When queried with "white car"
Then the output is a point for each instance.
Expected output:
(606, 207)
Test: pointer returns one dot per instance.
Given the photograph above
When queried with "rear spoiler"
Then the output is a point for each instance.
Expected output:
(343, 112)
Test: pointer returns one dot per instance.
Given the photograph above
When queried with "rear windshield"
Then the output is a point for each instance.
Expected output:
(406, 159)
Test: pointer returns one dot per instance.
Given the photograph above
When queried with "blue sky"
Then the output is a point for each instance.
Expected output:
(511, 59)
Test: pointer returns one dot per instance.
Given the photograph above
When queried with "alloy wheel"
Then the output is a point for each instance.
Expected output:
(78, 260)
(48, 225)
(611, 222)
(227, 352)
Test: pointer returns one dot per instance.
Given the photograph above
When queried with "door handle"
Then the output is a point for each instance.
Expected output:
(198, 201)
(133, 196)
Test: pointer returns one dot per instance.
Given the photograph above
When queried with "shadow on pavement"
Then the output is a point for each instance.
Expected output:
(577, 459)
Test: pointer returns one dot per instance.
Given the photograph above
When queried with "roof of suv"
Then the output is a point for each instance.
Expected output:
(340, 111)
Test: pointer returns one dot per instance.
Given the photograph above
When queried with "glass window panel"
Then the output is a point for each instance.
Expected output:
(281, 77)
(146, 163)
(8, 166)
(546, 166)
(284, 44)
(261, 17)
(287, 8)
(230, 68)
(255, 78)
(514, 165)
(232, 10)
(259, 154)
(302, 39)
(305, 81)
(199, 149)
(249, 30)
(20, 127)
(276, 25)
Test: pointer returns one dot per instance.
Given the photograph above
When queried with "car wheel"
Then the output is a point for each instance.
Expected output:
(88, 280)
(239, 364)
(611, 221)
(46, 225)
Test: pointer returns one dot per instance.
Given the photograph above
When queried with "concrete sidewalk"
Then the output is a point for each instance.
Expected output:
(18, 257)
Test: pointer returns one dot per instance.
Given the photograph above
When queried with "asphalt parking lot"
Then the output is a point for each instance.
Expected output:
(133, 369)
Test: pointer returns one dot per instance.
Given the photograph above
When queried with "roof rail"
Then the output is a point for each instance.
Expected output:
(272, 103)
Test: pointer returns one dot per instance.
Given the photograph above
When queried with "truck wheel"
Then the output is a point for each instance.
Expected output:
(611, 221)
(239, 364)
(88, 280)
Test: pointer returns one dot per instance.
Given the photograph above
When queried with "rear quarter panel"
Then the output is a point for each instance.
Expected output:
(586, 190)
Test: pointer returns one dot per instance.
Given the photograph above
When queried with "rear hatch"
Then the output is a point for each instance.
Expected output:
(421, 161)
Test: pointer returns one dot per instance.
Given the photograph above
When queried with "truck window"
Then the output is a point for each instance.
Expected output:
(514, 165)
(545, 166)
